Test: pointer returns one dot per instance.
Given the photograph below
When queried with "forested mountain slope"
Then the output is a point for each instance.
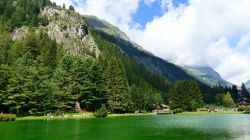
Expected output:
(53, 58)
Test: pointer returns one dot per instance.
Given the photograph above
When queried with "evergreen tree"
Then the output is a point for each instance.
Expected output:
(244, 93)
(118, 89)
(185, 95)
(63, 99)
(235, 93)
(137, 98)
(71, 8)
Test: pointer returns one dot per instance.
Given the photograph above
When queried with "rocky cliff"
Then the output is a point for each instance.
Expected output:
(68, 28)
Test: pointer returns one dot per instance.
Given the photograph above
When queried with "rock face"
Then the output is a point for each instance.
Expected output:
(68, 28)
(20, 33)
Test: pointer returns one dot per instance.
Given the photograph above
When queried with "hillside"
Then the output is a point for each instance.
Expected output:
(59, 62)
(154, 64)
(55, 59)
(207, 75)
(248, 84)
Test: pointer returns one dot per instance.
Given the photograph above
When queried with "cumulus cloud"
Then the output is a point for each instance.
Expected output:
(203, 33)
(149, 2)
(61, 2)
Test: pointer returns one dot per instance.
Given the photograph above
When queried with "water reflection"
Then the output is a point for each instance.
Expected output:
(172, 127)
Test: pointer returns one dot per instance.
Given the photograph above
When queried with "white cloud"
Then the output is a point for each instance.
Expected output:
(196, 34)
(61, 2)
(189, 34)
(149, 2)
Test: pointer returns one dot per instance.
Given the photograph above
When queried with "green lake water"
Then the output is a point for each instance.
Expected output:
(165, 127)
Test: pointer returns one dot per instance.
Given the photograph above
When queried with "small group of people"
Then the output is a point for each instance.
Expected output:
(49, 115)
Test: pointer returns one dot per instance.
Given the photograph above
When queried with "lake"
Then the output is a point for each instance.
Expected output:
(165, 127)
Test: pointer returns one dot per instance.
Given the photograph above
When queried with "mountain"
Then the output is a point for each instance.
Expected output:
(207, 75)
(248, 84)
(53, 58)
(155, 64)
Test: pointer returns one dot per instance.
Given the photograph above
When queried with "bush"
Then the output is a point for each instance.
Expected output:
(44, 21)
(243, 108)
(177, 110)
(7, 117)
(102, 112)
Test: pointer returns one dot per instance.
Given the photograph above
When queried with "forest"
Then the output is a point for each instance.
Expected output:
(38, 76)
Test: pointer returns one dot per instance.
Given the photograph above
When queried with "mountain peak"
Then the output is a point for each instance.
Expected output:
(207, 75)
(248, 84)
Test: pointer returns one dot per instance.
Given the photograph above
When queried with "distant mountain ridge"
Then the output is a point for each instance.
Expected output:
(155, 64)
(164, 68)
(207, 75)
(248, 84)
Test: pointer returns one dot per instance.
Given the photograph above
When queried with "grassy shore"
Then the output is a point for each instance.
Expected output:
(90, 115)
(206, 113)
(67, 116)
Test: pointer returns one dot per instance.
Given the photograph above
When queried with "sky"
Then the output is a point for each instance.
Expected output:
(213, 33)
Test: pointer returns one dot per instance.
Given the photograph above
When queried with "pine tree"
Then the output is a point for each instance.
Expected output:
(63, 99)
(235, 93)
(137, 98)
(118, 89)
(244, 93)
(71, 8)
(185, 95)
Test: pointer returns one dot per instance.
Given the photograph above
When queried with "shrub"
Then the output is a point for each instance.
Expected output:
(44, 21)
(7, 117)
(177, 110)
(102, 112)
(243, 108)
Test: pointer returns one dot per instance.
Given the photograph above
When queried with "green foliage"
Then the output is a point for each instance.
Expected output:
(137, 98)
(5, 42)
(17, 13)
(151, 87)
(26, 84)
(37, 76)
(234, 93)
(244, 93)
(7, 117)
(71, 8)
(117, 88)
(177, 110)
(243, 108)
(44, 21)
(102, 112)
(185, 95)
(227, 100)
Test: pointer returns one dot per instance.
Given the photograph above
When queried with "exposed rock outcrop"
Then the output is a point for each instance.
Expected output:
(67, 28)
(20, 33)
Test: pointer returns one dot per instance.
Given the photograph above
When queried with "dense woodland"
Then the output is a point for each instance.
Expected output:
(37, 76)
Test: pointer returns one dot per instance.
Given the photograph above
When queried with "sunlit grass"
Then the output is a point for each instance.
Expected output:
(205, 113)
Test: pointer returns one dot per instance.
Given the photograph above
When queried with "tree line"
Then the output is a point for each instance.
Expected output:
(37, 75)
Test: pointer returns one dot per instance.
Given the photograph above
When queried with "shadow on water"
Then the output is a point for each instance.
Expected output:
(173, 127)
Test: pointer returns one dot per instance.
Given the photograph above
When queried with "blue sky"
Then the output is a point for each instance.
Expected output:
(214, 33)
(146, 13)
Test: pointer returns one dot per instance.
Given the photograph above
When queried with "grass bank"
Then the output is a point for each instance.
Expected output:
(88, 115)
(206, 113)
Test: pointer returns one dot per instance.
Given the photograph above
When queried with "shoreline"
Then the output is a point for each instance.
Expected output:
(210, 113)
(79, 117)
(90, 115)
